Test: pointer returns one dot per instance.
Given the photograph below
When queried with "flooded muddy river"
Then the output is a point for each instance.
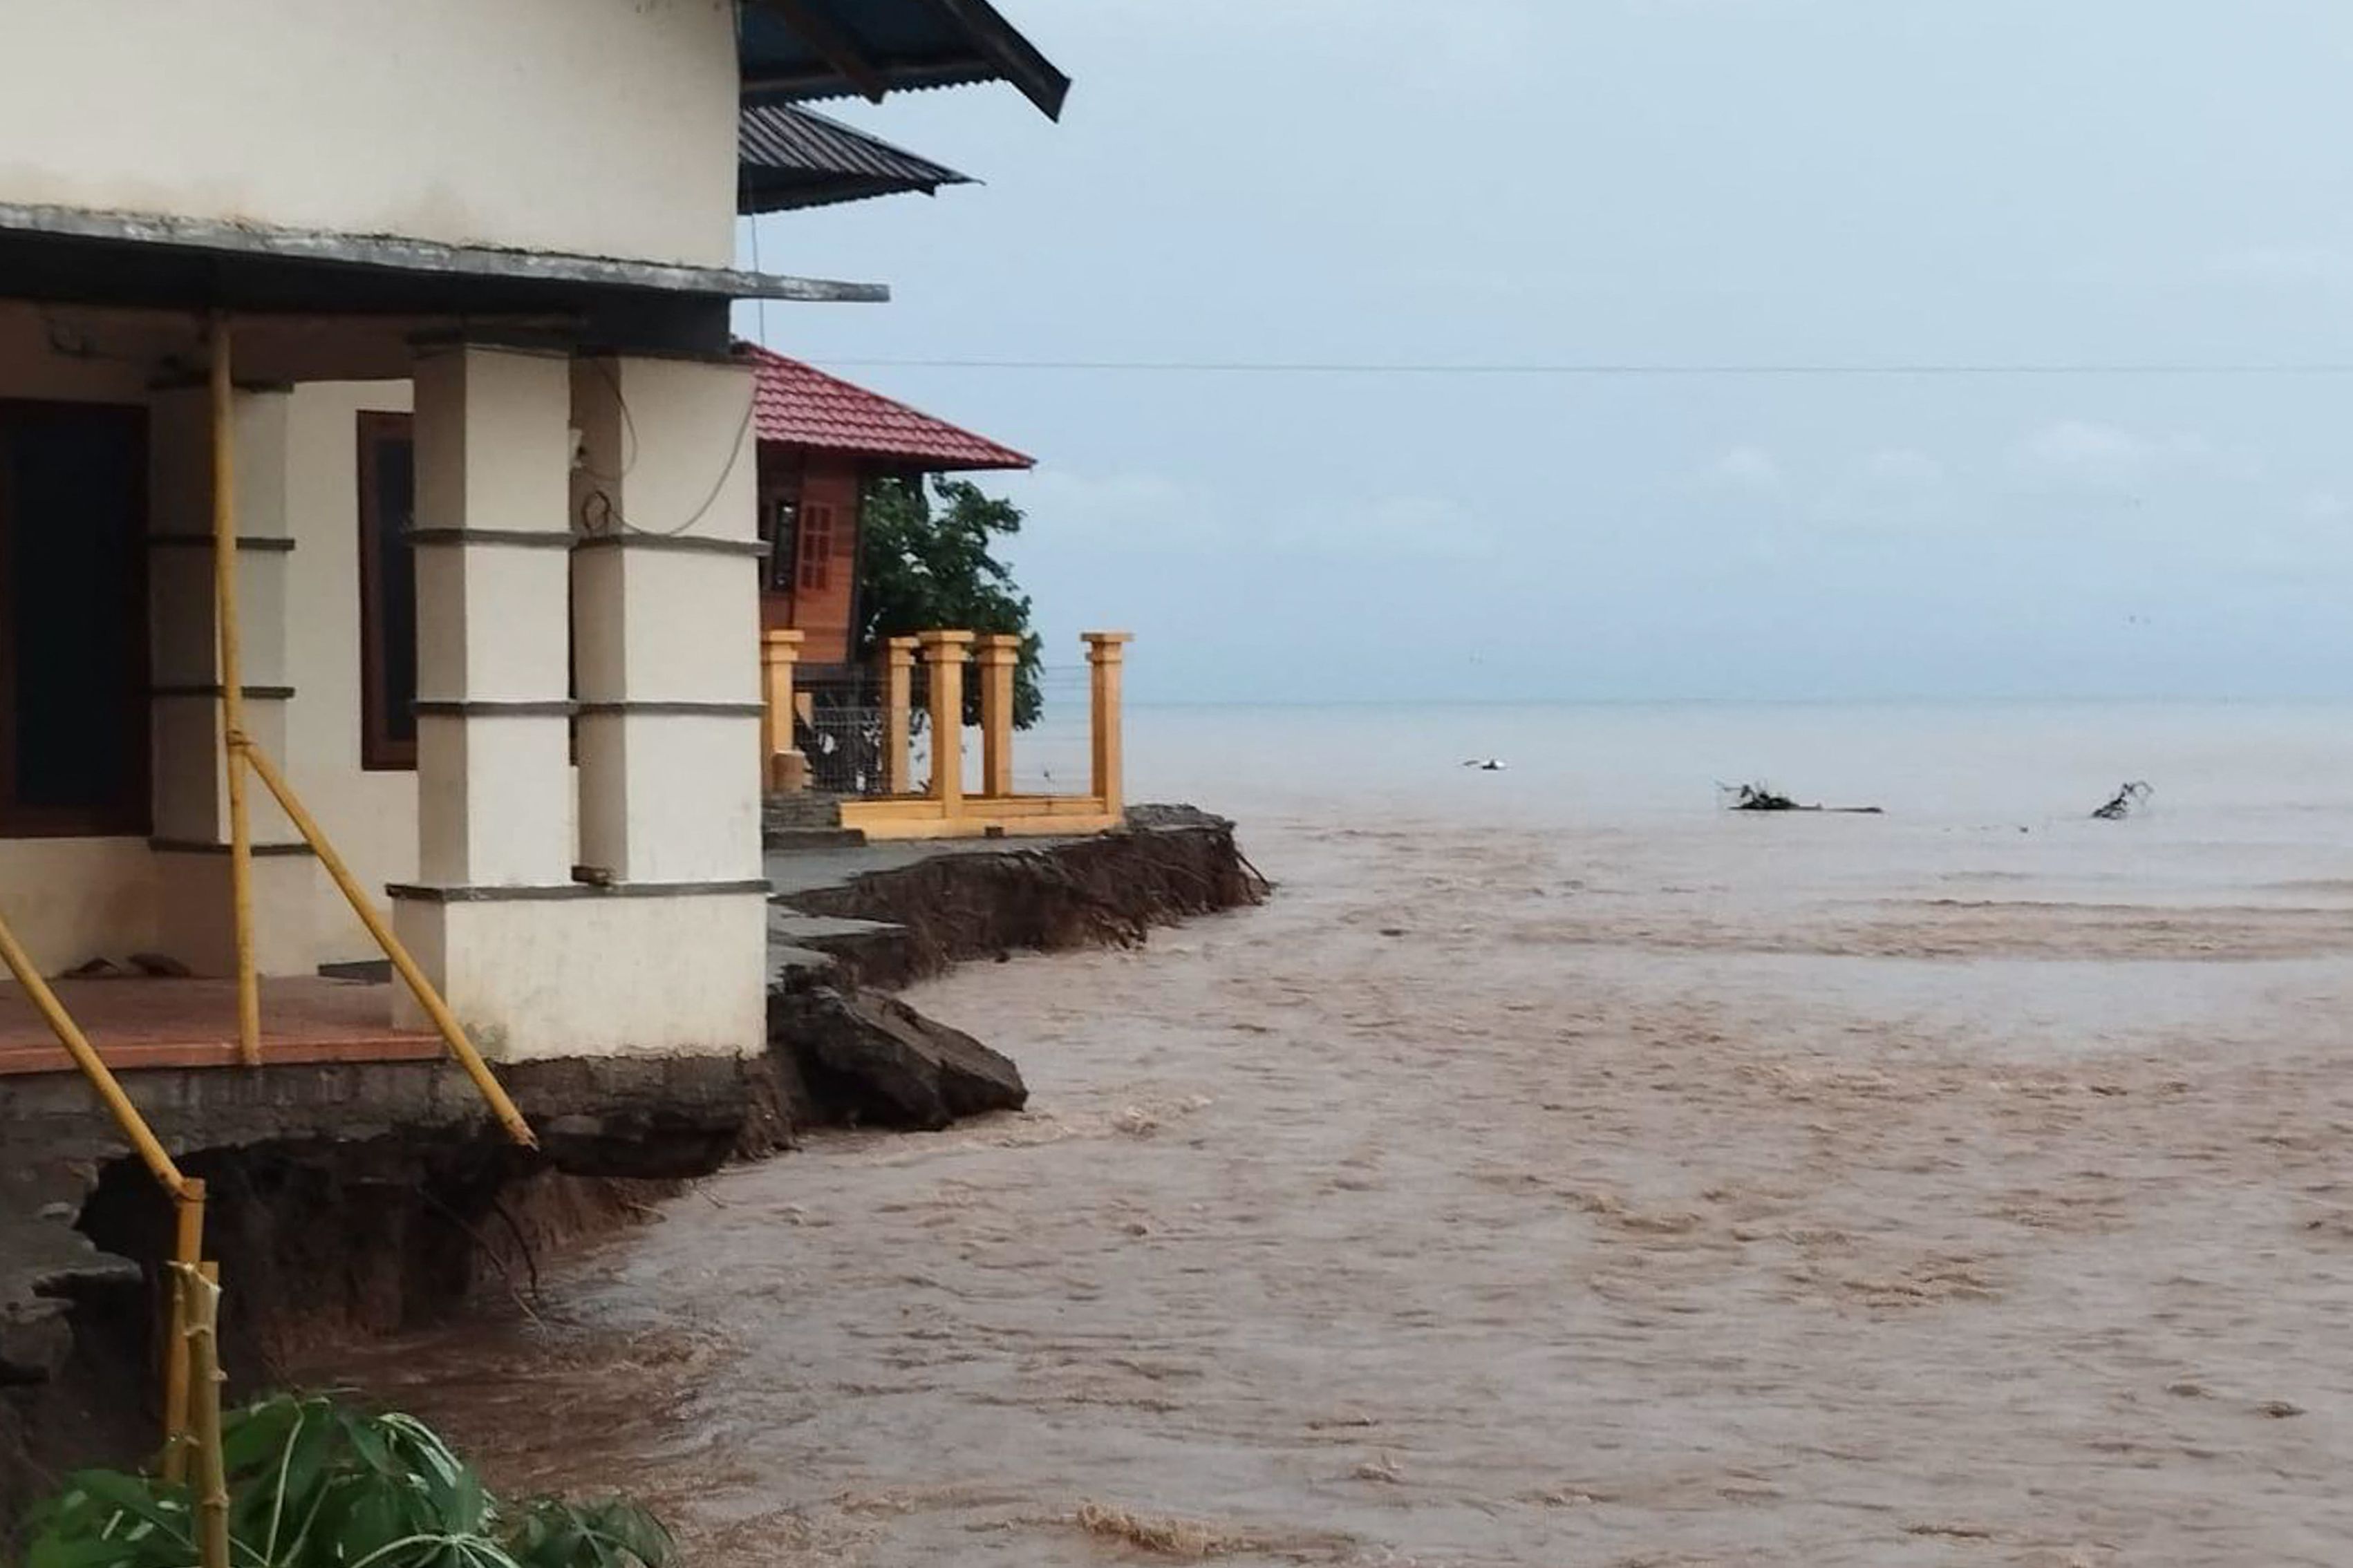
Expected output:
(1546, 1184)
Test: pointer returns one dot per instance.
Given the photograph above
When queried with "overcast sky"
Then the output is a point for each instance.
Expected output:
(1656, 183)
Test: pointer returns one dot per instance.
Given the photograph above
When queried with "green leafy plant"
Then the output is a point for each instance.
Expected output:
(316, 1484)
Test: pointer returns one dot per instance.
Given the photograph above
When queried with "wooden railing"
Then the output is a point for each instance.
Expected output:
(944, 808)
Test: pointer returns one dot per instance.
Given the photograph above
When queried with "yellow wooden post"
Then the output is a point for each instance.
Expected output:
(453, 1033)
(998, 653)
(233, 738)
(187, 1252)
(944, 656)
(780, 649)
(898, 681)
(1106, 658)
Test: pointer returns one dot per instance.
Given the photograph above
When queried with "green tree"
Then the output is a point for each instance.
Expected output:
(926, 563)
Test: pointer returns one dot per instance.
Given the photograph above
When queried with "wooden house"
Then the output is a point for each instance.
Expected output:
(822, 441)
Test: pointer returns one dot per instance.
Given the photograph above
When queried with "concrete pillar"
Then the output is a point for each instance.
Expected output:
(784, 769)
(944, 656)
(1106, 658)
(898, 686)
(493, 536)
(187, 753)
(996, 653)
(666, 617)
(652, 939)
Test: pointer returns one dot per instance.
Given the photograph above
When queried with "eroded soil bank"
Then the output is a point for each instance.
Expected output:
(353, 1202)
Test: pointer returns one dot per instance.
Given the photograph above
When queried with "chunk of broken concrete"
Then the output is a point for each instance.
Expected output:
(870, 1059)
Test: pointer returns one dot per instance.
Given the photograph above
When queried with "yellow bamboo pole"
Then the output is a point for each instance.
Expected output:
(126, 1115)
(453, 1033)
(200, 1285)
(240, 833)
(187, 1252)
(187, 1192)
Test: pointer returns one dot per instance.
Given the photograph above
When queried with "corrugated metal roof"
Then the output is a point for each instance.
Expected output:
(790, 157)
(810, 49)
(798, 404)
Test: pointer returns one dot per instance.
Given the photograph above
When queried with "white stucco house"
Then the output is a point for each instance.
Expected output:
(473, 262)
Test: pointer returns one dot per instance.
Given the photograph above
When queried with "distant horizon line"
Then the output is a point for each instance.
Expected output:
(2342, 700)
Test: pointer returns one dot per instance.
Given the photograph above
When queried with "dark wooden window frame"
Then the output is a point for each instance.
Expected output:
(780, 491)
(134, 815)
(380, 749)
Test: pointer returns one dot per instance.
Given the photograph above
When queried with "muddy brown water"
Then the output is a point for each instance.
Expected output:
(1663, 1193)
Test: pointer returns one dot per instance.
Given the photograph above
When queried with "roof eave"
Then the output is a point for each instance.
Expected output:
(400, 254)
(1021, 61)
(833, 193)
(997, 52)
(904, 462)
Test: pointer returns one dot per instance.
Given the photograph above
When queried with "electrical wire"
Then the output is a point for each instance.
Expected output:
(609, 518)
(1605, 369)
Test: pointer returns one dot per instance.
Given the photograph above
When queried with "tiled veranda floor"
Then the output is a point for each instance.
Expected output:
(141, 1022)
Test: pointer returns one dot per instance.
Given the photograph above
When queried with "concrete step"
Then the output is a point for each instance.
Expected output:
(800, 808)
(776, 840)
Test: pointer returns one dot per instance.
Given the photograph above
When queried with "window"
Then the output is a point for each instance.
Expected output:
(780, 508)
(387, 592)
(73, 620)
(388, 597)
(815, 549)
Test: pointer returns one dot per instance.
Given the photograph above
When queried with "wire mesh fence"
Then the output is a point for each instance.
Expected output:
(841, 733)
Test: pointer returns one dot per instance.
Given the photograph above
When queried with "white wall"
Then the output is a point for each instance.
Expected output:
(72, 900)
(371, 817)
(596, 976)
(602, 127)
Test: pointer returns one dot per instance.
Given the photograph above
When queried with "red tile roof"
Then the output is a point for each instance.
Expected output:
(799, 405)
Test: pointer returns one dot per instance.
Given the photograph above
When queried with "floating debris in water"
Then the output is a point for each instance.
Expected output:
(2128, 799)
(1764, 797)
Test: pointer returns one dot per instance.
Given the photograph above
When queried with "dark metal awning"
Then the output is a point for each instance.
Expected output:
(799, 50)
(790, 157)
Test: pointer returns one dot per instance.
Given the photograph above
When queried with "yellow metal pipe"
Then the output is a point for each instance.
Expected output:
(187, 1252)
(126, 1115)
(453, 1033)
(240, 833)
